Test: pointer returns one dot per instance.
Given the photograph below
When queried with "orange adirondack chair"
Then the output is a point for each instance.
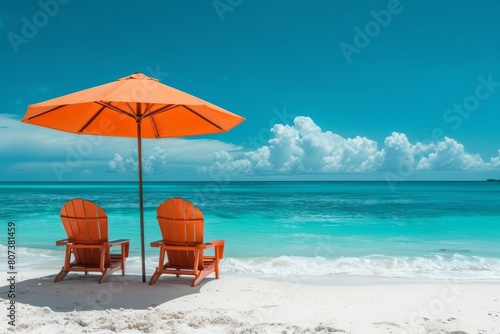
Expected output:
(86, 225)
(181, 225)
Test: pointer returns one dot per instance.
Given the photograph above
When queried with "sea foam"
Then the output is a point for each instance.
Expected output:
(454, 267)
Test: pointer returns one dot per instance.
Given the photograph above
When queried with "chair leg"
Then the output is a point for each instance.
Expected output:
(216, 268)
(105, 275)
(123, 266)
(158, 270)
(155, 277)
(67, 265)
(59, 277)
(201, 275)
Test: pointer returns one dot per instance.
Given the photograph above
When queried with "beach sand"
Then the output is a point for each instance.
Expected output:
(244, 304)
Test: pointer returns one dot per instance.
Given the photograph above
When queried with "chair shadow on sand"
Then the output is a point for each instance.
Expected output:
(82, 293)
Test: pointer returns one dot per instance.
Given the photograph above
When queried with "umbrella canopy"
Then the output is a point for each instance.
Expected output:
(135, 106)
(115, 108)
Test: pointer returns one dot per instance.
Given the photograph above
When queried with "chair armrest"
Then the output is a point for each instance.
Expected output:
(61, 242)
(125, 243)
(214, 243)
(118, 242)
(219, 247)
(156, 243)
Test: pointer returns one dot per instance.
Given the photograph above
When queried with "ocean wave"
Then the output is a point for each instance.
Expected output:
(453, 266)
(438, 267)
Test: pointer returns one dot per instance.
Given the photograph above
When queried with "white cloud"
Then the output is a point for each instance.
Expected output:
(191, 151)
(358, 154)
(398, 152)
(259, 158)
(495, 162)
(305, 148)
(120, 165)
(451, 155)
(225, 163)
(154, 163)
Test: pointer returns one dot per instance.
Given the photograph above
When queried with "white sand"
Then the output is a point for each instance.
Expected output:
(236, 304)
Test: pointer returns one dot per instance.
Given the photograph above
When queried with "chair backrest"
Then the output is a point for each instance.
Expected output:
(180, 223)
(85, 223)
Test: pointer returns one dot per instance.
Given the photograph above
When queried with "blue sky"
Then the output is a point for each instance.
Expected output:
(331, 90)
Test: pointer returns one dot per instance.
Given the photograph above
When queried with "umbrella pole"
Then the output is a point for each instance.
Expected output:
(141, 205)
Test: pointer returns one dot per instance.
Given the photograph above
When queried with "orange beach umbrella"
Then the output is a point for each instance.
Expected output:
(135, 106)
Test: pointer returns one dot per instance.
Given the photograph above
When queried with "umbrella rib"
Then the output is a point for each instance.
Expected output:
(202, 117)
(154, 127)
(159, 110)
(92, 119)
(46, 112)
(112, 107)
(148, 107)
(132, 110)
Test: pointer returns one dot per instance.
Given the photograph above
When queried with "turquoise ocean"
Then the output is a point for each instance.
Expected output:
(448, 230)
